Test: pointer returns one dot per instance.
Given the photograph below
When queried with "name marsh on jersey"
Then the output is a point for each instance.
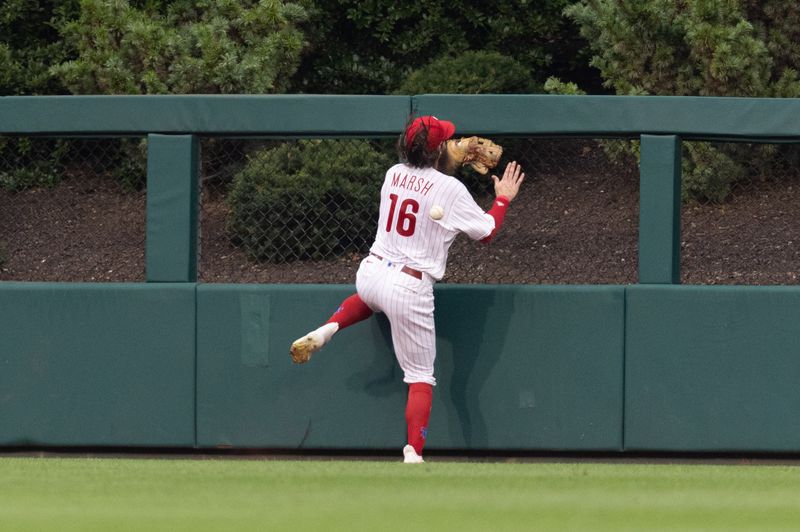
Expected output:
(412, 183)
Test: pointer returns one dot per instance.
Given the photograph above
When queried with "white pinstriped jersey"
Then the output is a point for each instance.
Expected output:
(406, 232)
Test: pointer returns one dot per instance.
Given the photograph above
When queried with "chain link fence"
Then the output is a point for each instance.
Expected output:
(305, 211)
(72, 210)
(740, 216)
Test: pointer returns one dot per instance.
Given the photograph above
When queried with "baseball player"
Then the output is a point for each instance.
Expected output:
(422, 210)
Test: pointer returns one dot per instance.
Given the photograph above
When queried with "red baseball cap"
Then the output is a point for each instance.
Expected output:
(438, 130)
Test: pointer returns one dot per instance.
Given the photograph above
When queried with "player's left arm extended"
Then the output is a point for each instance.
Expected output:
(506, 189)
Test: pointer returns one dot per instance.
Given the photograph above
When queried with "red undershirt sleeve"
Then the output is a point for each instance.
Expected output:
(498, 212)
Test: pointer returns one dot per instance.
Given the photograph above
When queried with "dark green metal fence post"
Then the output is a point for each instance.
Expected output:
(172, 205)
(660, 210)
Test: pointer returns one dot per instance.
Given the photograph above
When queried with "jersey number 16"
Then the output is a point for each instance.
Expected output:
(406, 221)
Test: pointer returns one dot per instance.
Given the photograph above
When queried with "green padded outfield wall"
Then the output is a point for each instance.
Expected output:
(217, 114)
(523, 367)
(660, 210)
(689, 117)
(517, 368)
(712, 368)
(172, 205)
(336, 115)
(97, 364)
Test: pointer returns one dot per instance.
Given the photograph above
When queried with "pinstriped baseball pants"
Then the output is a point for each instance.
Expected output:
(408, 303)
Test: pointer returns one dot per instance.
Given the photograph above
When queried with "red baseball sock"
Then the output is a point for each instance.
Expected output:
(352, 310)
(418, 411)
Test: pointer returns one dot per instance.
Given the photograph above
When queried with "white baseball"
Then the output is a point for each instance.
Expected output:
(437, 212)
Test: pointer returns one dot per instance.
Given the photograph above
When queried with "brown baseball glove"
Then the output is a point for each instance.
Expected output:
(479, 153)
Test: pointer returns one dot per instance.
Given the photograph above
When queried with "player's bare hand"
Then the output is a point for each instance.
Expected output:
(508, 186)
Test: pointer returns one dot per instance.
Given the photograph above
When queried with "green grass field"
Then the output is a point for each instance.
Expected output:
(222, 494)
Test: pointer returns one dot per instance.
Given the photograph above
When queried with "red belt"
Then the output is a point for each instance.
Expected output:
(405, 269)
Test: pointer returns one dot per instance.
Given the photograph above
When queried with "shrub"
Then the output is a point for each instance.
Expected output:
(193, 47)
(39, 173)
(30, 164)
(177, 47)
(697, 47)
(30, 45)
(708, 173)
(554, 85)
(311, 199)
(471, 73)
(362, 47)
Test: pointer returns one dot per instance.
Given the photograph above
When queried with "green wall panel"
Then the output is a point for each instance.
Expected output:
(528, 367)
(660, 210)
(172, 205)
(599, 116)
(518, 367)
(712, 368)
(302, 114)
(97, 364)
(212, 114)
(250, 394)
